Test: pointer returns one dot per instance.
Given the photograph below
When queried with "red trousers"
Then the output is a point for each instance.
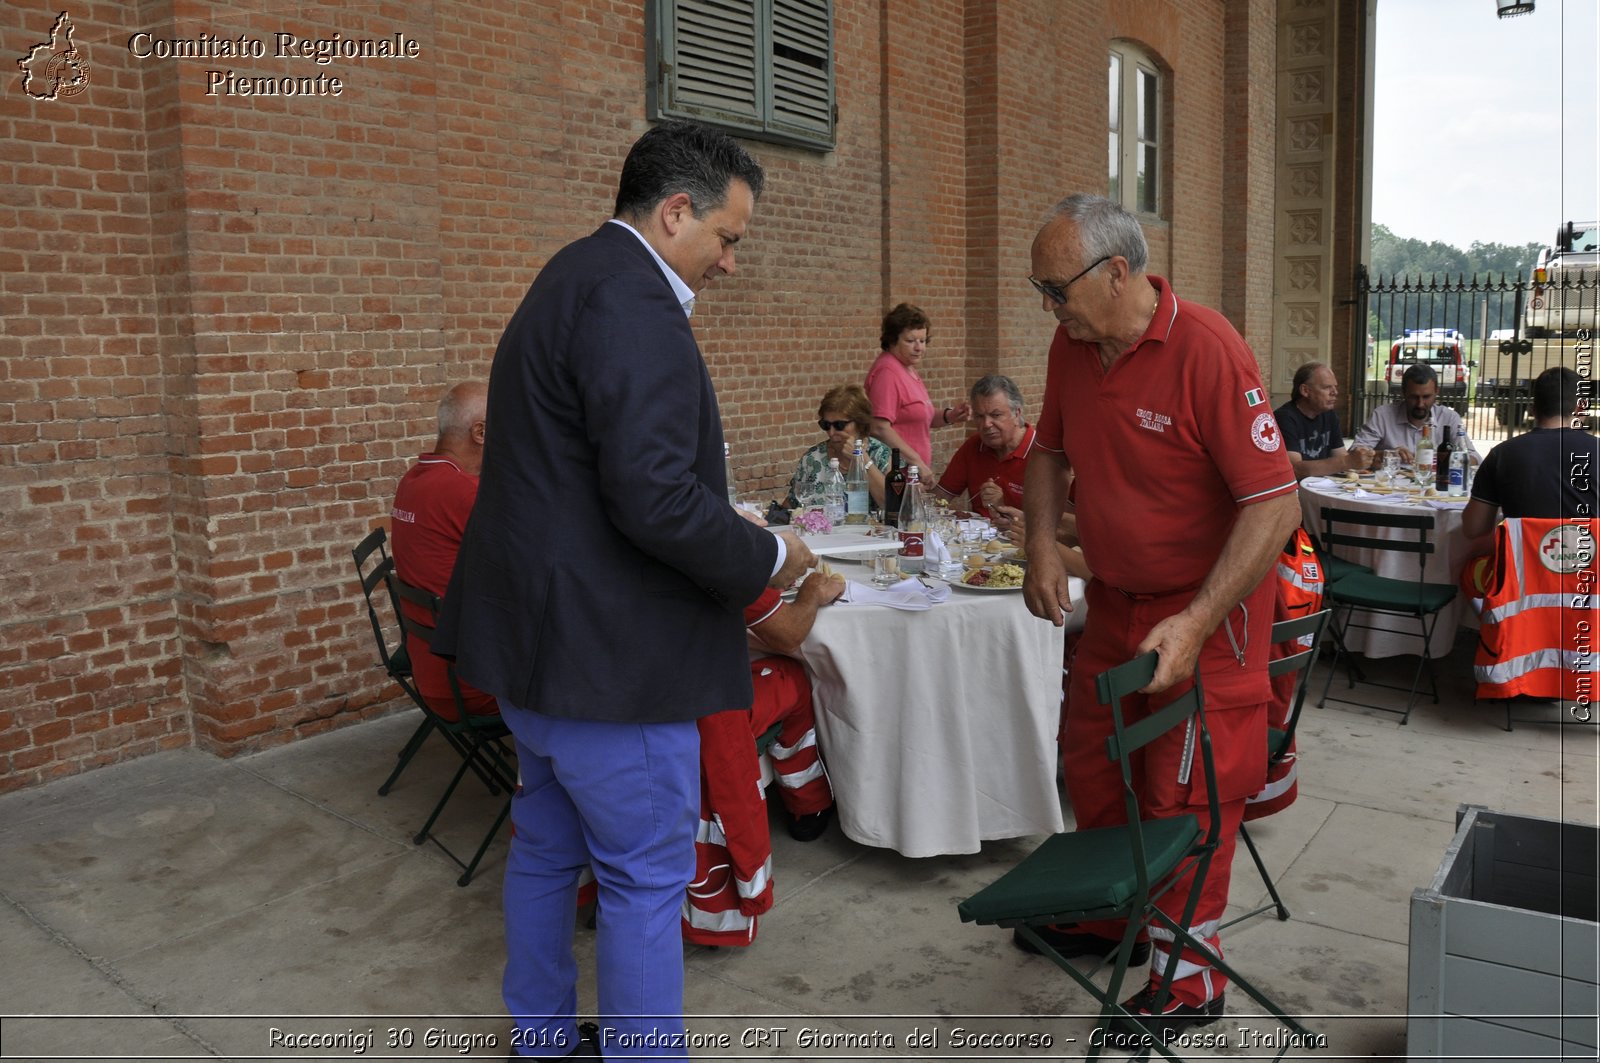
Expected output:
(1236, 699)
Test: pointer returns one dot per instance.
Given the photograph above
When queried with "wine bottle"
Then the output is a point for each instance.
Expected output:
(893, 488)
(1441, 460)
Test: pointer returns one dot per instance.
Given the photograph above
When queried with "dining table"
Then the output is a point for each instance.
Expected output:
(1392, 636)
(937, 726)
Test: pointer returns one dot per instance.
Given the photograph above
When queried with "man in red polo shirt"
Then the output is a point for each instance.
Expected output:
(989, 465)
(1184, 498)
(431, 507)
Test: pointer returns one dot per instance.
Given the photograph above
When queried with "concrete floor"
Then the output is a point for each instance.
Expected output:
(184, 906)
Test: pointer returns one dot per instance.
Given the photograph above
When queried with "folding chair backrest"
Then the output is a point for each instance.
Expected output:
(428, 603)
(1298, 631)
(392, 655)
(1421, 523)
(1112, 687)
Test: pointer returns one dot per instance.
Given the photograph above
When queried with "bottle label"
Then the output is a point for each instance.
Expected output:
(910, 543)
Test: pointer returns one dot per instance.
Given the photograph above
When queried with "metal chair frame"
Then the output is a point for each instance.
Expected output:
(1427, 619)
(1300, 661)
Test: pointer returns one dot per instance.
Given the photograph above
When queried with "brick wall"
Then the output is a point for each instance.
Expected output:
(228, 318)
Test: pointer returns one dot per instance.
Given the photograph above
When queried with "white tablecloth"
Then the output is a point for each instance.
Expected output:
(1451, 550)
(938, 728)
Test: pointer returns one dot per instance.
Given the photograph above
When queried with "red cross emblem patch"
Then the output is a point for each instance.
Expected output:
(1264, 433)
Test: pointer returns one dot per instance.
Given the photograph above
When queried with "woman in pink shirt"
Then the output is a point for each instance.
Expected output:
(902, 413)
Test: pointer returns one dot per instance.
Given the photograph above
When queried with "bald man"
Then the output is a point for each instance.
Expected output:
(430, 512)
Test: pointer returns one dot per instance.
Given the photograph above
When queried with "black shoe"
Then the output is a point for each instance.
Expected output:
(810, 828)
(1174, 1020)
(1074, 943)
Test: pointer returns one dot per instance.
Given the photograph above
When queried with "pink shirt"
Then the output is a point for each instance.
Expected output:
(902, 400)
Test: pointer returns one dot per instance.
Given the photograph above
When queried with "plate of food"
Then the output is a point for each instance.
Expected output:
(992, 578)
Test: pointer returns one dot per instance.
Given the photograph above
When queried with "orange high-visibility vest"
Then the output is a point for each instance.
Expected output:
(1300, 587)
(1541, 612)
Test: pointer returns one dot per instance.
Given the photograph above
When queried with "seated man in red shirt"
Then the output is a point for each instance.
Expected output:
(733, 849)
(989, 465)
(431, 506)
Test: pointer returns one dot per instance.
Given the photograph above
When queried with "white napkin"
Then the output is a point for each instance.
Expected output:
(1447, 503)
(934, 549)
(909, 594)
(1317, 483)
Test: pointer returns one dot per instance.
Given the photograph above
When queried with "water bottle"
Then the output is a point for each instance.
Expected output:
(856, 497)
(727, 472)
(1458, 471)
(913, 524)
(833, 493)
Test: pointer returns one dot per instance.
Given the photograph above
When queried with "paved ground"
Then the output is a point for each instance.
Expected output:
(208, 903)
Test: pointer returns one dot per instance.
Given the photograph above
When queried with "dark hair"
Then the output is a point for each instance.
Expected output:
(850, 400)
(1555, 393)
(903, 318)
(1303, 375)
(997, 384)
(686, 157)
(1418, 374)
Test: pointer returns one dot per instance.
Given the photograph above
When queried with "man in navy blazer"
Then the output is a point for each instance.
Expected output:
(600, 587)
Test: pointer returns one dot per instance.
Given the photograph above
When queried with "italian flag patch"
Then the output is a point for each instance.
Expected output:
(1254, 397)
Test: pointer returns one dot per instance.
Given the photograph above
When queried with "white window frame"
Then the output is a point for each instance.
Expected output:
(761, 69)
(1135, 132)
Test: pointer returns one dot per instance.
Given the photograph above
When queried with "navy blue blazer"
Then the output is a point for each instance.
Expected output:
(603, 574)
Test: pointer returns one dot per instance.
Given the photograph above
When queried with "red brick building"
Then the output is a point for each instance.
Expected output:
(228, 316)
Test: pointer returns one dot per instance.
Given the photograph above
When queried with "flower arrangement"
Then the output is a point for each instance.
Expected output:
(814, 521)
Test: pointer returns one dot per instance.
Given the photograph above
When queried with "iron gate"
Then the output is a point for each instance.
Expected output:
(1476, 332)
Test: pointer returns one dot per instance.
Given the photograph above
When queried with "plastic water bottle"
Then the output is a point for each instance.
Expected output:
(856, 497)
(1458, 471)
(727, 472)
(833, 494)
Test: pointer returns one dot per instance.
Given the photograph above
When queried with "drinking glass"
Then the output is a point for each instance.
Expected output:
(886, 567)
(1390, 469)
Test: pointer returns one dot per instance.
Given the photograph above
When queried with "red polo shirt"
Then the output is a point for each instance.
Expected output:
(974, 464)
(1167, 445)
(431, 507)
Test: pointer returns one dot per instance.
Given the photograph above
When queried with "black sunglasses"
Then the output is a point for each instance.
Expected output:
(834, 426)
(1057, 293)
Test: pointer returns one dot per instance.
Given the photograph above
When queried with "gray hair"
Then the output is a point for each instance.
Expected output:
(994, 384)
(1104, 229)
(461, 406)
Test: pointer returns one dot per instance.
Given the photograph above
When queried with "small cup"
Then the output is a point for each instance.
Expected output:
(885, 568)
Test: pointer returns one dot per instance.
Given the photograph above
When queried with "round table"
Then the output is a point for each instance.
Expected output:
(1451, 548)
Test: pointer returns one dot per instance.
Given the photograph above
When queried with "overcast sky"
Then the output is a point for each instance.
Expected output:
(1485, 128)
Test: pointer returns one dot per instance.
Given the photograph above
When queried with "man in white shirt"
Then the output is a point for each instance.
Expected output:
(1398, 426)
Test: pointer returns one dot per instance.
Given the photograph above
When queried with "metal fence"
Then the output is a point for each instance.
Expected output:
(1481, 333)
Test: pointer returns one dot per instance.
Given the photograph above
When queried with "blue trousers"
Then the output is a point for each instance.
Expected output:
(622, 798)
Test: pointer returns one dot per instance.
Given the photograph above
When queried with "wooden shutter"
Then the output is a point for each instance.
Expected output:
(802, 68)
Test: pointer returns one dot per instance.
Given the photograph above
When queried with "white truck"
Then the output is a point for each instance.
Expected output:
(1566, 278)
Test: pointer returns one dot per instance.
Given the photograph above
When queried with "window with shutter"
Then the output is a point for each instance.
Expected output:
(758, 68)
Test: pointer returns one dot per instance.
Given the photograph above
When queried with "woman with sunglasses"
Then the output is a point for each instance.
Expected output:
(903, 415)
(845, 414)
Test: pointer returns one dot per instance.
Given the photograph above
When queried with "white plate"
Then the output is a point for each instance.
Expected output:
(984, 587)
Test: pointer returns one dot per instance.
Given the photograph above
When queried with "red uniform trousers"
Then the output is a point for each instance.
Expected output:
(733, 848)
(1116, 626)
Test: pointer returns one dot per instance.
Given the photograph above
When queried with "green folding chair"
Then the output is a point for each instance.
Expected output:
(476, 736)
(1280, 743)
(1120, 872)
(392, 656)
(1375, 595)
